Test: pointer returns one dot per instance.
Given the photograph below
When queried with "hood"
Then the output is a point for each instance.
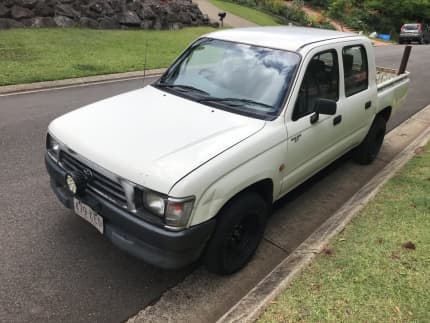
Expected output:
(151, 137)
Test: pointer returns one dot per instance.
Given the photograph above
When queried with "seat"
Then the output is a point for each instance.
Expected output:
(310, 89)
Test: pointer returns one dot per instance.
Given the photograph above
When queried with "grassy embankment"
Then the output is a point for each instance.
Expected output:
(378, 268)
(32, 55)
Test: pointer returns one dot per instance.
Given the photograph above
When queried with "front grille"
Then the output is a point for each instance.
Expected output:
(99, 183)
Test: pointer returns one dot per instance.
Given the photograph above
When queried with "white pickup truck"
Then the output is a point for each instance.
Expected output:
(189, 166)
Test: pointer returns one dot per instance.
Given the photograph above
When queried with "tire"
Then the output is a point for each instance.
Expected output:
(367, 151)
(239, 230)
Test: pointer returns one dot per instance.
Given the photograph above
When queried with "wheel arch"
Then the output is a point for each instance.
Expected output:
(217, 199)
(263, 187)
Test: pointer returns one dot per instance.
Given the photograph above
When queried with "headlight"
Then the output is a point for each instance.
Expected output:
(175, 212)
(154, 202)
(53, 147)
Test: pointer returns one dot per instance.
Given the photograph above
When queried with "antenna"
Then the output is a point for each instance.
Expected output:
(144, 62)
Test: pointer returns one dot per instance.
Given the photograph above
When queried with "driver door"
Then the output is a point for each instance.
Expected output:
(311, 145)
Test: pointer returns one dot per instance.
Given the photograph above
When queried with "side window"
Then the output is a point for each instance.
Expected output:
(321, 80)
(355, 69)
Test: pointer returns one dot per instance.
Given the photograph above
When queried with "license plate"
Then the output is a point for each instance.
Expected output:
(88, 214)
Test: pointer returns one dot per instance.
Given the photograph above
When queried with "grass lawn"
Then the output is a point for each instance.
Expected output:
(250, 14)
(32, 55)
(378, 268)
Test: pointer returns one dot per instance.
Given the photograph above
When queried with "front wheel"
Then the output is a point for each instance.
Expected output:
(238, 233)
(367, 151)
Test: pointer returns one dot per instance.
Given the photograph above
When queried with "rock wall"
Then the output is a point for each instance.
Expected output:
(102, 14)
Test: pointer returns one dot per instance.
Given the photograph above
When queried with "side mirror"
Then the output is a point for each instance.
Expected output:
(323, 106)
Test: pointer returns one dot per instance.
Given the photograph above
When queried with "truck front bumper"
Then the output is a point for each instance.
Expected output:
(147, 241)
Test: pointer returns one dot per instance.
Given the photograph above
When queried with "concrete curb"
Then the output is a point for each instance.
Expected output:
(80, 81)
(250, 307)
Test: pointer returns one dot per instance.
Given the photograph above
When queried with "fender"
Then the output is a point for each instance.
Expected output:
(226, 175)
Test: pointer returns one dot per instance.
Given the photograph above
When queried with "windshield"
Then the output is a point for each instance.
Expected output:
(241, 78)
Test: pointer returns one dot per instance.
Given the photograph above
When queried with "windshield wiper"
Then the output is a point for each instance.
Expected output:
(237, 102)
(182, 88)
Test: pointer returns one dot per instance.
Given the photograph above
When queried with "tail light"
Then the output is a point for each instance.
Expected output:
(402, 29)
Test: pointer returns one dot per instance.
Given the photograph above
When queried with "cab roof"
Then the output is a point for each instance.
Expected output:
(281, 37)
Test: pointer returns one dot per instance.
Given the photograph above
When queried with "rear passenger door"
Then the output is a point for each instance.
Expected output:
(358, 98)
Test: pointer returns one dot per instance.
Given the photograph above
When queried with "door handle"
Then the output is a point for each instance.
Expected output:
(368, 105)
(337, 120)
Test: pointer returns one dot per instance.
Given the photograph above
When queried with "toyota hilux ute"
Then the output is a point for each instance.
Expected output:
(189, 166)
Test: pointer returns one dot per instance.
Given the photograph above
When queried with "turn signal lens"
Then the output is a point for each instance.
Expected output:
(178, 212)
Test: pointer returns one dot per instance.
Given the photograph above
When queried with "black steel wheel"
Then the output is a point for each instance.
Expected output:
(239, 231)
(367, 151)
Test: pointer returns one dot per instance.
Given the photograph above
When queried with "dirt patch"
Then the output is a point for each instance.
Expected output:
(409, 245)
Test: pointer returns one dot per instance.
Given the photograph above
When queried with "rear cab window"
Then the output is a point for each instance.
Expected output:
(412, 26)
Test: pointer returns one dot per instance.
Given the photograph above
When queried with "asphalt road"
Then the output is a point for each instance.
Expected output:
(56, 267)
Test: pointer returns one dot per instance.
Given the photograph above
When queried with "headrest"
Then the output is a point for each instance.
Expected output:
(348, 60)
(316, 66)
